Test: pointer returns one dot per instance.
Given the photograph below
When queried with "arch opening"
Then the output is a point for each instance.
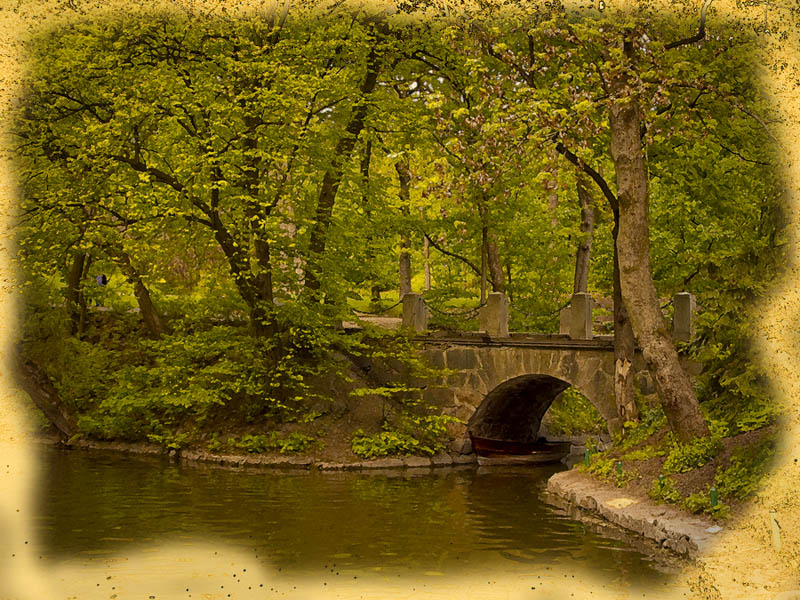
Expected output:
(513, 410)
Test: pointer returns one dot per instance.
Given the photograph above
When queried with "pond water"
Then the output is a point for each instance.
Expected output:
(446, 521)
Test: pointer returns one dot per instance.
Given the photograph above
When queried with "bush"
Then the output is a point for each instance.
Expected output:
(261, 443)
(414, 435)
(745, 471)
(386, 443)
(645, 453)
(665, 491)
(606, 469)
(700, 502)
(685, 457)
(651, 420)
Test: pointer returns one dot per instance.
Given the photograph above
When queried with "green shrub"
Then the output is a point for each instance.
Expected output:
(262, 443)
(685, 457)
(700, 502)
(665, 491)
(414, 435)
(746, 469)
(651, 420)
(605, 468)
(170, 441)
(601, 466)
(645, 453)
(385, 443)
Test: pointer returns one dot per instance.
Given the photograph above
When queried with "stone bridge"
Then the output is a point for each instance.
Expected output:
(499, 386)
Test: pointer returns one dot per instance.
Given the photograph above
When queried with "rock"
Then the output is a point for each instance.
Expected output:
(461, 445)
(294, 461)
(383, 463)
(327, 466)
(443, 459)
(416, 462)
(464, 459)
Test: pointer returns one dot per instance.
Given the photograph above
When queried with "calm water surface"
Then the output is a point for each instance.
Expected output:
(448, 521)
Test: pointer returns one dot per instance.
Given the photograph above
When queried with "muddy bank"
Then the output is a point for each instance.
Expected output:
(683, 533)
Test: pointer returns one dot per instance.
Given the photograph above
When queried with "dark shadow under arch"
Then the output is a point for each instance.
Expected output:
(513, 410)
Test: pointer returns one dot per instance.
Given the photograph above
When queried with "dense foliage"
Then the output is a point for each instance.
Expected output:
(244, 184)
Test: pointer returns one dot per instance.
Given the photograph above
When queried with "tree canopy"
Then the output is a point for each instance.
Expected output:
(224, 171)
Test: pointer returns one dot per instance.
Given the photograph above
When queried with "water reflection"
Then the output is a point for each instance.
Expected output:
(444, 521)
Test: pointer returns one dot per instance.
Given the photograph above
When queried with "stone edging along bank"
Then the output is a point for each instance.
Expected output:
(683, 533)
(443, 459)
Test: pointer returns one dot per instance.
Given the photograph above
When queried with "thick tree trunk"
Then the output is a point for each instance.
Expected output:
(31, 378)
(404, 261)
(262, 321)
(636, 281)
(152, 320)
(584, 253)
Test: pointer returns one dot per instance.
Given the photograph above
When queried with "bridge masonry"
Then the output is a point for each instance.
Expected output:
(478, 365)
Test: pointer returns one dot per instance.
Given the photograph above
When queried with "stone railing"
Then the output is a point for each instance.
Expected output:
(575, 319)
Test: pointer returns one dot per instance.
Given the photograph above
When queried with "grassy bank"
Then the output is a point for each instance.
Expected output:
(714, 475)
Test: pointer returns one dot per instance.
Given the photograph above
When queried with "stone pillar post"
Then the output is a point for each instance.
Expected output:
(563, 321)
(494, 316)
(683, 319)
(415, 313)
(580, 317)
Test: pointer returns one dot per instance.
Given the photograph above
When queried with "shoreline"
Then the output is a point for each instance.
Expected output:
(442, 459)
(685, 534)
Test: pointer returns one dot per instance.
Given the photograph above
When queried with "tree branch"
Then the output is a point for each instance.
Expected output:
(598, 179)
(463, 259)
(701, 32)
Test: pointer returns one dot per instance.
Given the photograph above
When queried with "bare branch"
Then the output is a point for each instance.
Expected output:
(463, 259)
(701, 32)
(598, 179)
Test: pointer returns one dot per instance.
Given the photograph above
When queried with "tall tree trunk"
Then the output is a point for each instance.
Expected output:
(76, 302)
(31, 378)
(484, 260)
(624, 346)
(584, 252)
(496, 275)
(508, 280)
(491, 267)
(366, 163)
(333, 176)
(426, 249)
(262, 320)
(257, 209)
(152, 320)
(636, 281)
(404, 178)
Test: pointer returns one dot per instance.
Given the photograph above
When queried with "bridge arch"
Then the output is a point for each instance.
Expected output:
(514, 409)
(488, 377)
